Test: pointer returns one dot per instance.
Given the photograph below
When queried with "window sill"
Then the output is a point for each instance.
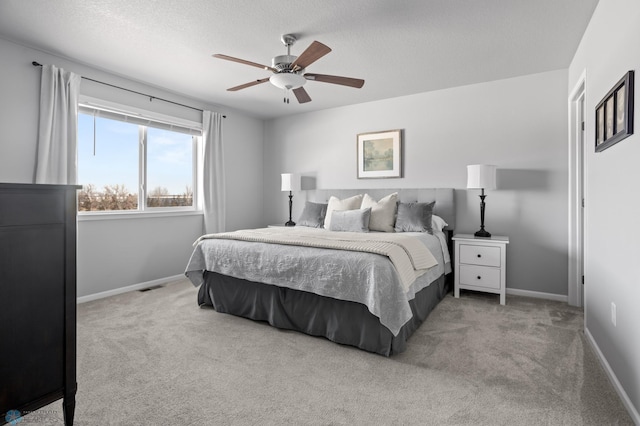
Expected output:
(87, 217)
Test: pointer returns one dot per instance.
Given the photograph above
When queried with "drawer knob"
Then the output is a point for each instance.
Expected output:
(479, 277)
(479, 255)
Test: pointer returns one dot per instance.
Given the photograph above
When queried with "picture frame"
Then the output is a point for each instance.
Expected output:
(614, 114)
(379, 154)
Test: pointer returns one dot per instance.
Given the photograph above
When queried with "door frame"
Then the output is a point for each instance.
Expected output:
(577, 190)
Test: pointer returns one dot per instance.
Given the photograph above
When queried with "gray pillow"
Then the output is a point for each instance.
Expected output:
(414, 217)
(313, 215)
(350, 220)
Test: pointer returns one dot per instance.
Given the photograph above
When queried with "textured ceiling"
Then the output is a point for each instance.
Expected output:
(398, 47)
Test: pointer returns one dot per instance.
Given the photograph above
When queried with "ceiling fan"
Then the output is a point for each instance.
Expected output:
(288, 70)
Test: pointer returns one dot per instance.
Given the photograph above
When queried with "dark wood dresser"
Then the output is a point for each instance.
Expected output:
(37, 298)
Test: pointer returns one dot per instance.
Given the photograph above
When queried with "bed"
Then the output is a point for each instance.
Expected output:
(324, 283)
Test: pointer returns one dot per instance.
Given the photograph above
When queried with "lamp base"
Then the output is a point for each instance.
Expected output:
(290, 223)
(482, 234)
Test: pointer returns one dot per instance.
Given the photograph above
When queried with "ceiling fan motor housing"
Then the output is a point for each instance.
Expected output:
(282, 62)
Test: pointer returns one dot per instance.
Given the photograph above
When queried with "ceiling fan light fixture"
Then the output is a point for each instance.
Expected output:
(287, 80)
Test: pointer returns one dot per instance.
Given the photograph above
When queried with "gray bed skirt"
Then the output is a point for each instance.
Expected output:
(340, 321)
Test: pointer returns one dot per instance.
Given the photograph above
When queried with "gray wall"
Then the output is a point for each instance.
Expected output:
(609, 49)
(118, 253)
(518, 124)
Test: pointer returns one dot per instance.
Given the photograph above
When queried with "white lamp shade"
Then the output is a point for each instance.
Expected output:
(287, 80)
(481, 176)
(290, 182)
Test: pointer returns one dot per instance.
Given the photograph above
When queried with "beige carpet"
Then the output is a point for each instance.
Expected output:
(156, 358)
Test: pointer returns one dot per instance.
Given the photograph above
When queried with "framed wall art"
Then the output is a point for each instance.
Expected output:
(380, 154)
(614, 114)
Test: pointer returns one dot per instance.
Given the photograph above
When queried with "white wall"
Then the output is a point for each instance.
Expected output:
(518, 124)
(609, 49)
(119, 253)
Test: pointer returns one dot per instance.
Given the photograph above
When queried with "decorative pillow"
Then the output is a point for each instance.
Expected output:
(414, 217)
(335, 203)
(313, 215)
(351, 220)
(438, 223)
(383, 212)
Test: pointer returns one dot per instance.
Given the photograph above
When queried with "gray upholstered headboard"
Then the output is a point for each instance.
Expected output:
(444, 197)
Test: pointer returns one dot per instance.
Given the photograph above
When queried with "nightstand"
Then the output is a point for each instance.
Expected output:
(480, 264)
(279, 226)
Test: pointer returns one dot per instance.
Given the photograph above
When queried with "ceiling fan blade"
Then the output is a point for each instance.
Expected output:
(302, 95)
(244, 86)
(314, 52)
(242, 61)
(334, 79)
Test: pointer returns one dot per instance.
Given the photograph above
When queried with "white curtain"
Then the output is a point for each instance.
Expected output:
(56, 161)
(213, 173)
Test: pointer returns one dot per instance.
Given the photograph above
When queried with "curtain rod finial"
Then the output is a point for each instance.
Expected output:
(36, 64)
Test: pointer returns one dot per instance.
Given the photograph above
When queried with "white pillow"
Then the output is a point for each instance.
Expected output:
(437, 223)
(383, 212)
(352, 203)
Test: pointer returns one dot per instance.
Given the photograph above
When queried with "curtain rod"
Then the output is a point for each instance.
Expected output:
(151, 97)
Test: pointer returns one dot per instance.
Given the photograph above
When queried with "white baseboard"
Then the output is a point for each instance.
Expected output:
(538, 295)
(633, 412)
(140, 286)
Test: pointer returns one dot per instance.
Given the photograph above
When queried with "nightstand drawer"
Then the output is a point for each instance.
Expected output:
(480, 255)
(480, 276)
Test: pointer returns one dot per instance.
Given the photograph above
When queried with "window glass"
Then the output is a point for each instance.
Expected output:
(169, 168)
(127, 162)
(108, 164)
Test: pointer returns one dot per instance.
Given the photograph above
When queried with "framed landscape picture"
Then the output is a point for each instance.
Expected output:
(614, 114)
(380, 154)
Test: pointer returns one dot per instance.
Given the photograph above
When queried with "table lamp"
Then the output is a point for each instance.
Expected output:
(481, 176)
(290, 182)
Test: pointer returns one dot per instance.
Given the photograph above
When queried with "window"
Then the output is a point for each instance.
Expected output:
(127, 162)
